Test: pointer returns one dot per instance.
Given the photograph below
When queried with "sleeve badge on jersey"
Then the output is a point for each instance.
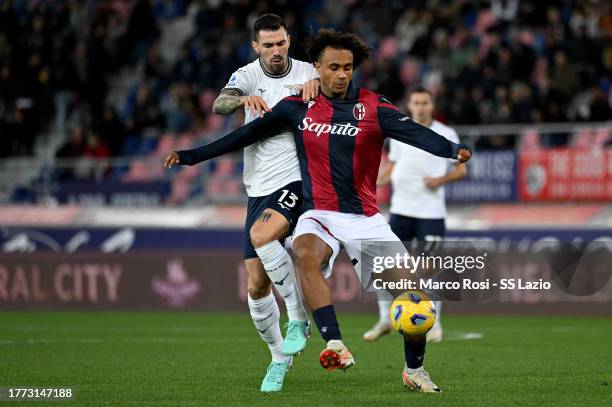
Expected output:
(359, 111)
(232, 81)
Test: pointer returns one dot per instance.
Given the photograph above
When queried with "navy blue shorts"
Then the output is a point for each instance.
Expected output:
(408, 228)
(287, 201)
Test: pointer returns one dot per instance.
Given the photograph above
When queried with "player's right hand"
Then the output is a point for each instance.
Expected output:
(171, 160)
(310, 90)
(464, 155)
(256, 104)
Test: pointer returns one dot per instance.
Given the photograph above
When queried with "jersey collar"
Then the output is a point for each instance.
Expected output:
(280, 75)
(351, 94)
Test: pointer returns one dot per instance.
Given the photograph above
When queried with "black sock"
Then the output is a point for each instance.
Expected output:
(325, 318)
(414, 351)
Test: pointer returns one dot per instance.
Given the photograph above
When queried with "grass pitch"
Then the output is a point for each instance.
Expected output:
(171, 359)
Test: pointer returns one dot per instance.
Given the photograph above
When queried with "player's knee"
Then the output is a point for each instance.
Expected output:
(307, 259)
(260, 237)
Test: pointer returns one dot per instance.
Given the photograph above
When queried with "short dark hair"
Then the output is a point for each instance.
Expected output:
(419, 89)
(268, 22)
(328, 37)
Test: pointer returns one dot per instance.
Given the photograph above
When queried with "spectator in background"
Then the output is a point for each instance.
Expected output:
(98, 66)
(553, 59)
(111, 130)
(564, 75)
(154, 67)
(600, 107)
(179, 108)
(146, 113)
(142, 30)
(74, 148)
(95, 147)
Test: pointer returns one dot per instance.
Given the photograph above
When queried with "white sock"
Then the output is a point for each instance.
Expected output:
(438, 308)
(335, 343)
(383, 308)
(265, 315)
(279, 267)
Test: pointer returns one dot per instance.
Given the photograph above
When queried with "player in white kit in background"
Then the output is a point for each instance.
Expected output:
(273, 184)
(418, 205)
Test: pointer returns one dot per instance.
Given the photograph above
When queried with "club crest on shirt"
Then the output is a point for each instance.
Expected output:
(294, 90)
(359, 111)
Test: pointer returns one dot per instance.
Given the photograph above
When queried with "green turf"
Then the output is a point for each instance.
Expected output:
(218, 359)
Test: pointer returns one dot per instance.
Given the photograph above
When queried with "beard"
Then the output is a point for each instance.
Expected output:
(277, 68)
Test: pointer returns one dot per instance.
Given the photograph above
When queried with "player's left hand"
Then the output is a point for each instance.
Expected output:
(171, 160)
(310, 90)
(464, 154)
(433, 183)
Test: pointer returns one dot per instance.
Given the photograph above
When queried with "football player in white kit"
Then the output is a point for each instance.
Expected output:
(273, 184)
(417, 205)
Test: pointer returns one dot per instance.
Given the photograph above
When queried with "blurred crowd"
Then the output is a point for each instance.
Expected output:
(487, 62)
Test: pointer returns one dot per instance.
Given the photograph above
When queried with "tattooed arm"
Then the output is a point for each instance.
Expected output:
(229, 100)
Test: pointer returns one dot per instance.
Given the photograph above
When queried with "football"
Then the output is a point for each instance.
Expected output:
(412, 313)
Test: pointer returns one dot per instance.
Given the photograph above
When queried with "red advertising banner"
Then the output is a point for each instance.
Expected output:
(216, 281)
(205, 280)
(566, 174)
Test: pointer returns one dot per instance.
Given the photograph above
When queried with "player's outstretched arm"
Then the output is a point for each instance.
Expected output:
(398, 126)
(270, 124)
(230, 99)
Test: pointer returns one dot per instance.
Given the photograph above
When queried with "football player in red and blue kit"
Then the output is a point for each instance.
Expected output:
(339, 138)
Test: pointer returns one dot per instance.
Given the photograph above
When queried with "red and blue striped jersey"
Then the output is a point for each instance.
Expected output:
(339, 144)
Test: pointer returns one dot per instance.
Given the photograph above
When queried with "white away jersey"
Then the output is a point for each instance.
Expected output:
(270, 164)
(411, 197)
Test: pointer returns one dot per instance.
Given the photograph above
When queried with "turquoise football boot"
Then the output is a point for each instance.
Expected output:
(295, 338)
(275, 376)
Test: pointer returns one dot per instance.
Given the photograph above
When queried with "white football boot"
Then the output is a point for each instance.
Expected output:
(379, 329)
(419, 380)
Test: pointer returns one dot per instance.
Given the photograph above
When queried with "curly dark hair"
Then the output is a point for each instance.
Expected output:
(328, 37)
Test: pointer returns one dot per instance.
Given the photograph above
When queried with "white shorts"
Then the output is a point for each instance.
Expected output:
(354, 233)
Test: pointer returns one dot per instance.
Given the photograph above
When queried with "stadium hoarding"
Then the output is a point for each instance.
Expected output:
(105, 193)
(491, 178)
(202, 269)
(564, 174)
(129, 239)
(206, 281)
(214, 280)
(118, 281)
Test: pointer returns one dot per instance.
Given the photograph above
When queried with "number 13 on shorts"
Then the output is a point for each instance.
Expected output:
(288, 199)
